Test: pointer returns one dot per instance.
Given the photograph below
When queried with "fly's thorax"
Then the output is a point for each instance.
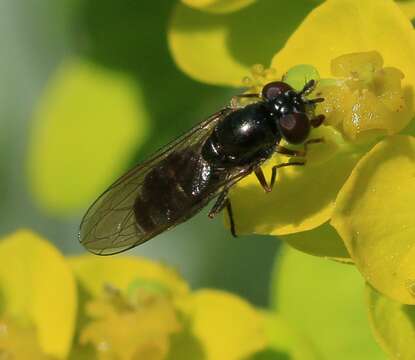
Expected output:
(243, 136)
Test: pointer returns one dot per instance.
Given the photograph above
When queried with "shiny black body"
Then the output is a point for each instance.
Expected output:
(242, 140)
(178, 181)
(244, 137)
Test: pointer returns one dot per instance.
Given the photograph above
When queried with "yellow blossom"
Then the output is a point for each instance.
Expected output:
(38, 298)
(353, 200)
(367, 78)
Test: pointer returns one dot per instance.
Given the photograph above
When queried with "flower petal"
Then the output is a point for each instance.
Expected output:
(302, 198)
(358, 26)
(38, 287)
(218, 6)
(227, 326)
(324, 299)
(94, 273)
(393, 325)
(221, 49)
(322, 241)
(18, 341)
(87, 124)
(141, 332)
(408, 7)
(374, 216)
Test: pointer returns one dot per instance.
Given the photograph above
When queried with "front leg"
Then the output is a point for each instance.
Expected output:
(261, 178)
(298, 153)
(276, 167)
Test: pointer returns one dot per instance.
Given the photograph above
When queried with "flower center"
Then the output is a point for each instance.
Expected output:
(364, 99)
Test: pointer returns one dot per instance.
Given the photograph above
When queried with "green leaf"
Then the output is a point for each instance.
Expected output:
(393, 325)
(285, 342)
(325, 301)
(87, 125)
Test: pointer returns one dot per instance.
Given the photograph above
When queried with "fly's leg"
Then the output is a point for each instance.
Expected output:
(308, 87)
(285, 151)
(235, 99)
(276, 167)
(230, 215)
(222, 202)
(317, 121)
(312, 141)
(298, 153)
(219, 204)
(261, 178)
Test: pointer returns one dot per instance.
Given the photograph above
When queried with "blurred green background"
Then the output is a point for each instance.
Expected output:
(127, 37)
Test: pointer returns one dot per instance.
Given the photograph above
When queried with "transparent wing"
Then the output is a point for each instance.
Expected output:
(109, 226)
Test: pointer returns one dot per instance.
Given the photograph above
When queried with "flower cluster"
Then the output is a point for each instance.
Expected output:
(120, 308)
(353, 201)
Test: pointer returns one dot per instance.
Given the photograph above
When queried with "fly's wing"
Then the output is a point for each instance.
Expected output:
(109, 226)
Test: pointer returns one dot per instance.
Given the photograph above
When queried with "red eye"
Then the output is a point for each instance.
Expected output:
(273, 89)
(294, 127)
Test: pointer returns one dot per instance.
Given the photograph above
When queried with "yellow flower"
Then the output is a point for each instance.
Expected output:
(134, 308)
(124, 308)
(354, 199)
(130, 306)
(139, 309)
(374, 86)
(228, 326)
(19, 342)
(38, 299)
(408, 7)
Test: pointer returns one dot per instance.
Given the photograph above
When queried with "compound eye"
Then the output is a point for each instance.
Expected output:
(294, 127)
(273, 89)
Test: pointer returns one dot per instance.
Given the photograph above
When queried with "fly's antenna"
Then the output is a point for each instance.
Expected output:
(308, 87)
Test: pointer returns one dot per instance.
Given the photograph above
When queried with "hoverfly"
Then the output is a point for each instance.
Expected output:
(181, 178)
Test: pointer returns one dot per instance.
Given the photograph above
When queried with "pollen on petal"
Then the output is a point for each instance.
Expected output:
(366, 99)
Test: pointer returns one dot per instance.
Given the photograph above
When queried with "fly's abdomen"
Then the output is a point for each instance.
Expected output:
(171, 190)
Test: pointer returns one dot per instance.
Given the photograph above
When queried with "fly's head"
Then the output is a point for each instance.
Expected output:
(291, 110)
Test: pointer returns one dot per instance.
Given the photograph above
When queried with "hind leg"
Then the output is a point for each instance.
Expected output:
(222, 202)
